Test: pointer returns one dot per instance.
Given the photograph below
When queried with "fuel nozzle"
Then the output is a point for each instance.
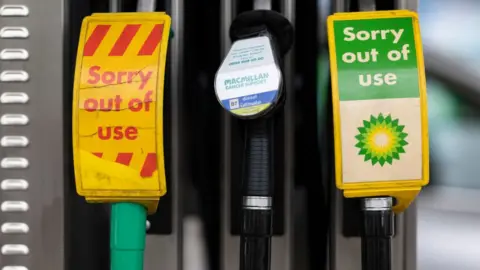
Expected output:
(249, 85)
(377, 233)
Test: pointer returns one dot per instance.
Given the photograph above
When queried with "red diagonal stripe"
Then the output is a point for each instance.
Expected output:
(152, 41)
(124, 158)
(149, 166)
(95, 39)
(100, 155)
(124, 40)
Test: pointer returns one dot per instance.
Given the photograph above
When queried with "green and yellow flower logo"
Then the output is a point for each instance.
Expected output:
(381, 140)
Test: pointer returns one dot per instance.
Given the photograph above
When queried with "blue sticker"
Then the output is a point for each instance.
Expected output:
(250, 100)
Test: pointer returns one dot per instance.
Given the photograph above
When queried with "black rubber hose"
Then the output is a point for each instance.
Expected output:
(377, 236)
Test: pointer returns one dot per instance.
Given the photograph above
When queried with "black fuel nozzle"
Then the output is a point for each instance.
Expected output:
(377, 233)
(249, 85)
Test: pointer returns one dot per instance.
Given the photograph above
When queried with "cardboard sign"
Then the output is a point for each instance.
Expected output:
(379, 100)
(118, 106)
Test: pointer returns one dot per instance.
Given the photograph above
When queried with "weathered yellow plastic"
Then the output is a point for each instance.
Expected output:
(118, 168)
(405, 192)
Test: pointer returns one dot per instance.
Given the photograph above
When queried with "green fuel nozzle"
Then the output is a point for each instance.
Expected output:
(127, 236)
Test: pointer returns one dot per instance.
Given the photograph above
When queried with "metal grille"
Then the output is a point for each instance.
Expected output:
(14, 185)
(31, 132)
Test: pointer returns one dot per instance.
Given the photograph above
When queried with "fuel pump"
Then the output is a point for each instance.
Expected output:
(380, 119)
(118, 123)
(249, 85)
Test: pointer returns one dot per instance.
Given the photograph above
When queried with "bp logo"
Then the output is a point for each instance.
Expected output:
(381, 140)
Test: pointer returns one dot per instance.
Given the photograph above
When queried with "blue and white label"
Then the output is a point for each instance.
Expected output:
(250, 100)
(248, 80)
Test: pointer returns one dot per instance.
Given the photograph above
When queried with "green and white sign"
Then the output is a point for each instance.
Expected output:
(379, 96)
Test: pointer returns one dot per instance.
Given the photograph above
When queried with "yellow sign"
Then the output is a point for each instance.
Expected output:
(380, 104)
(118, 108)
